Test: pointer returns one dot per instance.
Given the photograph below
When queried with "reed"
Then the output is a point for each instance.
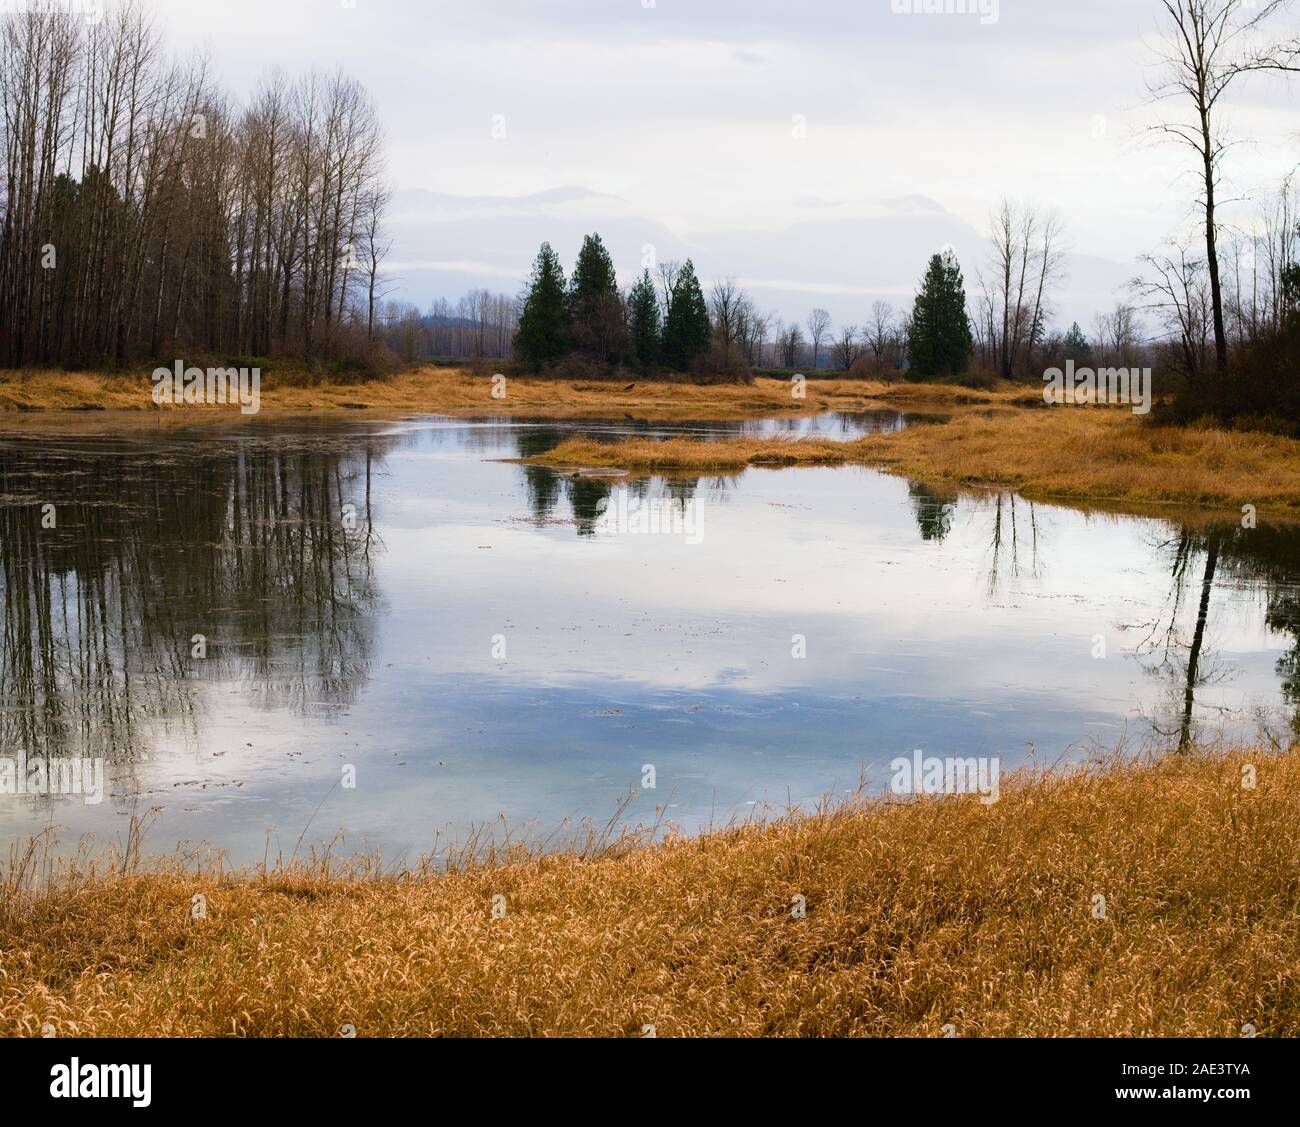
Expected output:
(920, 914)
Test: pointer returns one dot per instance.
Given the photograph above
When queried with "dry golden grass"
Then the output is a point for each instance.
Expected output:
(919, 914)
(686, 455)
(40, 390)
(457, 393)
(452, 391)
(1100, 454)
(1069, 454)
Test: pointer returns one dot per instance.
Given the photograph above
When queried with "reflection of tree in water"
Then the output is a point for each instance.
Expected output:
(588, 496)
(248, 543)
(934, 510)
(1013, 529)
(1267, 559)
(1284, 615)
(591, 497)
(883, 420)
(543, 485)
(1013, 532)
(681, 490)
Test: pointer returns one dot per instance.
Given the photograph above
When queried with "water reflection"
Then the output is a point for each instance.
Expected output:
(932, 620)
(1013, 530)
(132, 572)
(833, 426)
(934, 510)
(1179, 642)
(589, 494)
(1176, 646)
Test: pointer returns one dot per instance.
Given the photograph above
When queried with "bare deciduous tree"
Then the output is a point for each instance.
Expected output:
(1118, 336)
(879, 329)
(1177, 289)
(1210, 44)
(667, 272)
(1027, 263)
(728, 309)
(847, 348)
(819, 324)
(791, 344)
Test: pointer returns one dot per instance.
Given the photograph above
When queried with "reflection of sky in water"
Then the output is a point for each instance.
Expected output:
(952, 626)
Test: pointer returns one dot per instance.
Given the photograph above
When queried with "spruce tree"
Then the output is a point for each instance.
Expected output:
(1076, 344)
(543, 334)
(595, 305)
(940, 341)
(687, 333)
(643, 321)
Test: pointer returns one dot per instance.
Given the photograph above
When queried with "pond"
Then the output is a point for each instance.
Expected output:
(242, 620)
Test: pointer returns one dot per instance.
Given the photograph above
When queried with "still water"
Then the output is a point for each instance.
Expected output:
(231, 616)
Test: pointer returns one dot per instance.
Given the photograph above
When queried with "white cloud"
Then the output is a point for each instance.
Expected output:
(684, 113)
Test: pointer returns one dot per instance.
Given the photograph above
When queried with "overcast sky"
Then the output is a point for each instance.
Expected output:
(682, 117)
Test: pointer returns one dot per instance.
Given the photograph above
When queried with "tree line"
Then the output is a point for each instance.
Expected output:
(664, 321)
(588, 320)
(1004, 329)
(144, 211)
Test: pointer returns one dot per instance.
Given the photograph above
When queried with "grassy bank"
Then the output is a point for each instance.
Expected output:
(453, 391)
(919, 915)
(1075, 454)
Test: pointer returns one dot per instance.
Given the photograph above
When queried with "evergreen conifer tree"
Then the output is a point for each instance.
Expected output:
(595, 305)
(543, 334)
(687, 333)
(643, 321)
(1076, 344)
(940, 341)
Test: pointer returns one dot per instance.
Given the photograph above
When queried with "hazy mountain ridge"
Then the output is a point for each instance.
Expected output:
(843, 258)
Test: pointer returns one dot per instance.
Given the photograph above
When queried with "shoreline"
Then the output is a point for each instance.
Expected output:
(454, 391)
(1004, 438)
(1092, 456)
(916, 914)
